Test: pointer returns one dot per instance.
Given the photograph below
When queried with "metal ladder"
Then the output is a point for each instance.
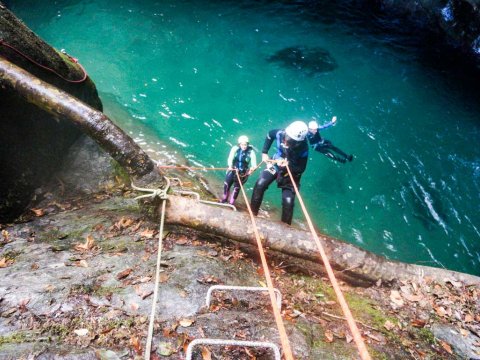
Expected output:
(207, 341)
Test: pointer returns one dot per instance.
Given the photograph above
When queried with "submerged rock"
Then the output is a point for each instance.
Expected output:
(309, 60)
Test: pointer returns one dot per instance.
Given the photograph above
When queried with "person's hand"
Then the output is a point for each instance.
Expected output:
(282, 162)
(265, 157)
(334, 119)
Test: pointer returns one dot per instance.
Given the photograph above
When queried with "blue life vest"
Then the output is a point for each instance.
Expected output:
(242, 159)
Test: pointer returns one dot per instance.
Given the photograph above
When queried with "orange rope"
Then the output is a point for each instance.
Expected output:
(362, 349)
(205, 168)
(188, 167)
(276, 312)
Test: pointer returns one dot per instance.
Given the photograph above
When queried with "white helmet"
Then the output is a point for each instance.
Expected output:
(297, 130)
(243, 140)
(313, 125)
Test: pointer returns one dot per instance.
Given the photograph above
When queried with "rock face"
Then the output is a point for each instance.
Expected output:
(32, 142)
(457, 20)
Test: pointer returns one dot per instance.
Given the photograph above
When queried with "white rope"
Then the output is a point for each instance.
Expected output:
(162, 194)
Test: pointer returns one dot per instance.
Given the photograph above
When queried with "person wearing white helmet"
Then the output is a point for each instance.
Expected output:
(323, 145)
(241, 158)
(291, 150)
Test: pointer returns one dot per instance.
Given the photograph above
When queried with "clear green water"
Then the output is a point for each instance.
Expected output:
(195, 73)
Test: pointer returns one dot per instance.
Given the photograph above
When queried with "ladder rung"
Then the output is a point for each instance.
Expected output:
(244, 288)
(269, 345)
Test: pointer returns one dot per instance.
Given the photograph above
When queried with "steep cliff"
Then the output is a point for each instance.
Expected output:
(32, 142)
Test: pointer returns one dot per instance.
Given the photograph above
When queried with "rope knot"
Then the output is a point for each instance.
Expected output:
(153, 193)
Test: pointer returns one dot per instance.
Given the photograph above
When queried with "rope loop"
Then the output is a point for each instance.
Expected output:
(153, 193)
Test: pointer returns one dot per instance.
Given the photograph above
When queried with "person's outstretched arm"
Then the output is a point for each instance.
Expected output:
(330, 123)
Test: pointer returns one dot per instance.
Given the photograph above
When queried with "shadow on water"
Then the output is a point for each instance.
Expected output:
(309, 60)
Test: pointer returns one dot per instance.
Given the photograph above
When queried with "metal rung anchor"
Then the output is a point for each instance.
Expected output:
(232, 342)
(278, 295)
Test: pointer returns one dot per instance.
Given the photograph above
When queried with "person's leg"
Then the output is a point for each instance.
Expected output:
(344, 156)
(288, 203)
(227, 184)
(262, 184)
(327, 149)
(236, 187)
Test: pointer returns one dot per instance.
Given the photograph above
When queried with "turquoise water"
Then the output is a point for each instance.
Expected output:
(197, 75)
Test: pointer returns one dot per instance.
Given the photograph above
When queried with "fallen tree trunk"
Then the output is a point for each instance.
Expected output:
(352, 264)
(94, 123)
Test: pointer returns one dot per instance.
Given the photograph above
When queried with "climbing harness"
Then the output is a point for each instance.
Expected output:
(71, 58)
(362, 349)
(162, 194)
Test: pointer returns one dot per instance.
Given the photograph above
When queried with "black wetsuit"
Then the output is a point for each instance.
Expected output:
(297, 155)
(327, 148)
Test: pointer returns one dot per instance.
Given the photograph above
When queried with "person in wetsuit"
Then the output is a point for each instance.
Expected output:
(323, 145)
(241, 158)
(291, 150)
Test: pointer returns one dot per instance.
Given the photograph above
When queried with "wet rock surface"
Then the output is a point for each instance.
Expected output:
(78, 281)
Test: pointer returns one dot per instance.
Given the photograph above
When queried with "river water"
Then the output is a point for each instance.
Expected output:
(197, 74)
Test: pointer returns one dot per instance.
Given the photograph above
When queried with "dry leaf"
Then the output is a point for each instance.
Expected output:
(88, 245)
(186, 322)
(81, 332)
(38, 212)
(49, 287)
(446, 347)
(134, 306)
(4, 262)
(136, 344)
(8, 312)
(83, 263)
(441, 311)
(123, 274)
(349, 338)
(396, 298)
(328, 336)
(147, 233)
(418, 323)
(413, 298)
(389, 325)
(163, 278)
(455, 283)
(5, 235)
(374, 337)
(181, 241)
(206, 354)
(464, 332)
(123, 223)
(468, 318)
